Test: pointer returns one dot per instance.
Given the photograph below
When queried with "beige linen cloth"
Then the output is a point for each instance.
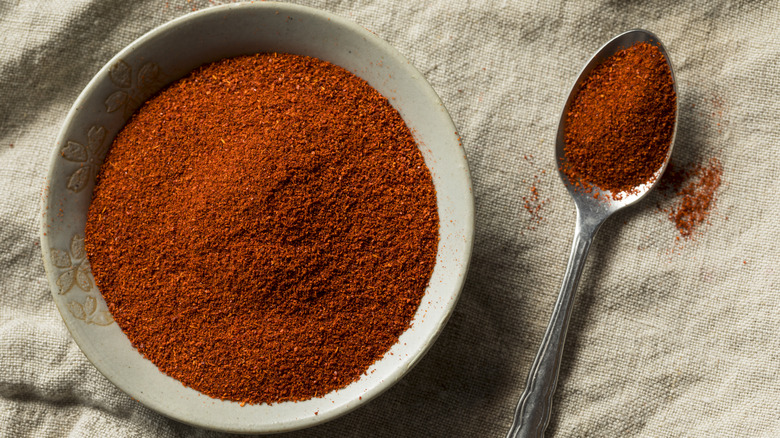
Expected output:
(668, 338)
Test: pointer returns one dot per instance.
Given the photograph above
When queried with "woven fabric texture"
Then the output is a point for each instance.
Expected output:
(669, 337)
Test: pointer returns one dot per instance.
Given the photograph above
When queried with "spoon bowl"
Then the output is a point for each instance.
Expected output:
(606, 201)
(594, 206)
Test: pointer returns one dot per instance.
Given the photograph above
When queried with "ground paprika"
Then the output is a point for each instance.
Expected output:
(264, 229)
(694, 189)
(620, 125)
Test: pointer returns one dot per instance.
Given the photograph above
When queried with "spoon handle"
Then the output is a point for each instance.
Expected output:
(535, 405)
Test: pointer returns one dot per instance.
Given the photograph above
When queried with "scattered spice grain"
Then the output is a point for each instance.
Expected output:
(264, 229)
(694, 189)
(532, 203)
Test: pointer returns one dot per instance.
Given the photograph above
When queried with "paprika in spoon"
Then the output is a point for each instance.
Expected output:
(614, 141)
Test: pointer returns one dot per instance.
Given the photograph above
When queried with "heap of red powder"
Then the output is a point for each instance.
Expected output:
(694, 189)
(619, 127)
(264, 229)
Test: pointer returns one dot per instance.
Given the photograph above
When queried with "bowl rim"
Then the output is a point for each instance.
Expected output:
(460, 159)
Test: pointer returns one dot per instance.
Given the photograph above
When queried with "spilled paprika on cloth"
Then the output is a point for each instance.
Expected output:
(264, 229)
(619, 127)
(694, 189)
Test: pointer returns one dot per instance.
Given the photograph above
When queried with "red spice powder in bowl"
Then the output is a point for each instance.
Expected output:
(340, 369)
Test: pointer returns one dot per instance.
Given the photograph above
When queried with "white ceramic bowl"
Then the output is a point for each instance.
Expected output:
(168, 53)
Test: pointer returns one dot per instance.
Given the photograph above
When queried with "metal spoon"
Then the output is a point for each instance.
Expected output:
(533, 410)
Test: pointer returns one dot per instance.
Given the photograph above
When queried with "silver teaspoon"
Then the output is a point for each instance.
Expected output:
(533, 410)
